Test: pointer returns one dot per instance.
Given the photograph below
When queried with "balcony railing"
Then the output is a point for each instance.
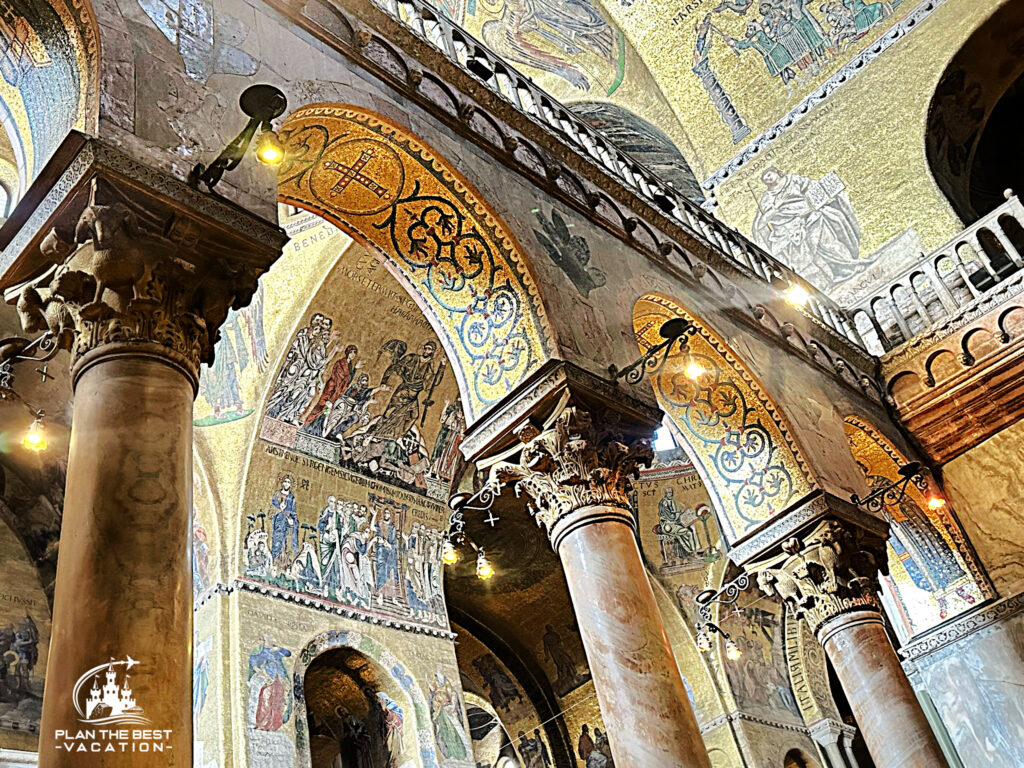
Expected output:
(946, 281)
(515, 88)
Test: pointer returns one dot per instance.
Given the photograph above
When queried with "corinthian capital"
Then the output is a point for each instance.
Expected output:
(144, 264)
(830, 570)
(577, 461)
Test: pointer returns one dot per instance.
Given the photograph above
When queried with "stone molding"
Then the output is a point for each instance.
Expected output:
(119, 259)
(244, 585)
(963, 626)
(737, 716)
(577, 469)
(825, 573)
(16, 758)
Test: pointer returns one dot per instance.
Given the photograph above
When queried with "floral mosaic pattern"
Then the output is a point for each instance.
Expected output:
(385, 188)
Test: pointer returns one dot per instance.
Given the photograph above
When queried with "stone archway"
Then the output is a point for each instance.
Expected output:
(419, 718)
(404, 201)
(927, 551)
(52, 86)
(734, 432)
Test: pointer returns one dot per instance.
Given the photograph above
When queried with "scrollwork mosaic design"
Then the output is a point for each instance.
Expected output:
(390, 191)
(731, 427)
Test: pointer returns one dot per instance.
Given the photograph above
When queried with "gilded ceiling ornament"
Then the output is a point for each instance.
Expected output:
(388, 190)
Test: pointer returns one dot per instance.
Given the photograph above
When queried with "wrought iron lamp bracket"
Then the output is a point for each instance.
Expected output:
(675, 330)
(895, 491)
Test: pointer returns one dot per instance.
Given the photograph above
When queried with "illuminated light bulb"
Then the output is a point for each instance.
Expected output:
(732, 651)
(936, 502)
(449, 554)
(35, 436)
(268, 149)
(694, 370)
(797, 295)
(703, 641)
(484, 569)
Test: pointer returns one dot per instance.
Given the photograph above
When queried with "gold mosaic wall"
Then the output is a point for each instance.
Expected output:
(24, 644)
(933, 575)
(750, 460)
(379, 183)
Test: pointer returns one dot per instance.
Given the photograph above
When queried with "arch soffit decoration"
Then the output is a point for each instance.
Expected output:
(397, 196)
(737, 436)
(57, 63)
(379, 654)
(876, 456)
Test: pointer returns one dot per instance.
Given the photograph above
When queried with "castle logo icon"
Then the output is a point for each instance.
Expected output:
(108, 700)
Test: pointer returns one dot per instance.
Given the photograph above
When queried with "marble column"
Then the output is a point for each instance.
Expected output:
(134, 287)
(829, 576)
(579, 477)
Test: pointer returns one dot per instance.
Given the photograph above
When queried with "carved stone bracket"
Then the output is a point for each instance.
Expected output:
(828, 571)
(116, 263)
(573, 463)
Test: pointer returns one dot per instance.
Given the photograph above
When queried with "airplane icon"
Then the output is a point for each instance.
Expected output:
(131, 662)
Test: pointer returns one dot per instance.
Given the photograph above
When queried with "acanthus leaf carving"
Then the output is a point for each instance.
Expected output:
(573, 463)
(129, 276)
(822, 574)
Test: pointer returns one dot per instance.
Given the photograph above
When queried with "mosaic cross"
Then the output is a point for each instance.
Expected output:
(354, 172)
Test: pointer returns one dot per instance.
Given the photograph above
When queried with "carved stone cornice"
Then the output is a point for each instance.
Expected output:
(116, 258)
(578, 469)
(830, 570)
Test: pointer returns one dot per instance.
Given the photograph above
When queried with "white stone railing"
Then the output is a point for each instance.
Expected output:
(945, 281)
(515, 88)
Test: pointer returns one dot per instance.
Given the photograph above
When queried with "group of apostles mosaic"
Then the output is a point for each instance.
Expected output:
(355, 554)
(371, 424)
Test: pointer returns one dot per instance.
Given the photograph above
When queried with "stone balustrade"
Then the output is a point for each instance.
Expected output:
(946, 282)
(518, 90)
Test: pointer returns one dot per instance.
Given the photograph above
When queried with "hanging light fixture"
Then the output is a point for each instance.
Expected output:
(936, 502)
(269, 149)
(484, 569)
(34, 438)
(703, 640)
(449, 554)
(732, 651)
(694, 370)
(797, 295)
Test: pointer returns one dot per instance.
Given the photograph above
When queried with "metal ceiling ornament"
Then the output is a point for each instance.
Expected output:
(727, 595)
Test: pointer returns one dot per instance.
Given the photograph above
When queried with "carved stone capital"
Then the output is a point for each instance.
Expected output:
(578, 461)
(830, 570)
(116, 266)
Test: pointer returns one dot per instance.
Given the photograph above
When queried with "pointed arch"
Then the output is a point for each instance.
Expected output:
(400, 198)
(927, 549)
(734, 432)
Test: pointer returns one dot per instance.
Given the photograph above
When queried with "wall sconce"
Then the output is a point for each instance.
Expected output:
(727, 595)
(482, 500)
(895, 491)
(262, 103)
(676, 329)
(17, 349)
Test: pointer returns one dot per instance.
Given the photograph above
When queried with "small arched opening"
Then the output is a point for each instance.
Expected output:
(356, 713)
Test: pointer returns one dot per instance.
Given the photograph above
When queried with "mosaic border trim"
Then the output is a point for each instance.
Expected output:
(243, 585)
(959, 628)
(816, 97)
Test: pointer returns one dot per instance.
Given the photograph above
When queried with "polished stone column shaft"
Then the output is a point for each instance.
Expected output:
(123, 577)
(881, 697)
(638, 684)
